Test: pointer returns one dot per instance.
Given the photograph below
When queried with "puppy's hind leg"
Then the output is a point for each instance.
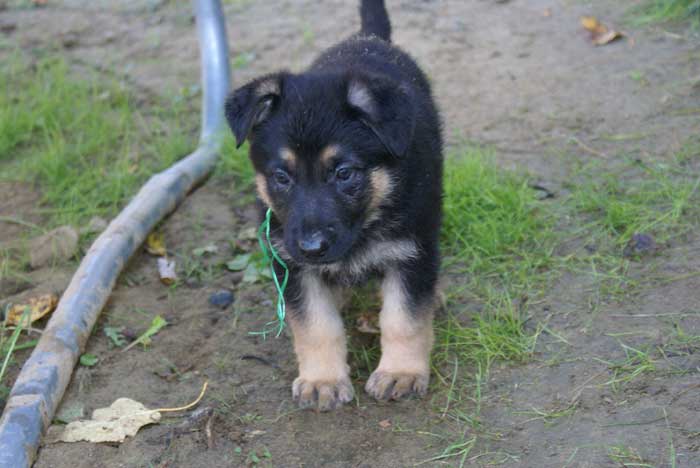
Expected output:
(320, 346)
(406, 337)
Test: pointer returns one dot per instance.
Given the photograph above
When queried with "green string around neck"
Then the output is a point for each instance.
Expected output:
(271, 256)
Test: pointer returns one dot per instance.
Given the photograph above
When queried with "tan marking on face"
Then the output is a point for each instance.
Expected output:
(289, 157)
(407, 338)
(327, 155)
(319, 334)
(263, 193)
(382, 185)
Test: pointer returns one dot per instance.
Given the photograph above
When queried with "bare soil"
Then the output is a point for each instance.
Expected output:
(519, 75)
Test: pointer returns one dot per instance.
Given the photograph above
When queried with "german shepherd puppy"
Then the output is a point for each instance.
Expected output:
(348, 155)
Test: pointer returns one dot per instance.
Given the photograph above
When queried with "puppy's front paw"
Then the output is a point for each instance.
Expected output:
(322, 395)
(384, 385)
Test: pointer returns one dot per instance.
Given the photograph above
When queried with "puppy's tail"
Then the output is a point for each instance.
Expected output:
(375, 20)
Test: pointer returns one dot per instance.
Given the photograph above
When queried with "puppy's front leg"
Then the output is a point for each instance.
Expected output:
(407, 338)
(319, 343)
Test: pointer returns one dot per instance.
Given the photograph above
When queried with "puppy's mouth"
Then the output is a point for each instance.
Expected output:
(330, 258)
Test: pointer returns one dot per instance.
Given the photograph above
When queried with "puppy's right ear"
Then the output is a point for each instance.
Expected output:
(251, 104)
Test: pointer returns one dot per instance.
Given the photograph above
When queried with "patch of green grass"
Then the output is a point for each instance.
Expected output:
(457, 451)
(496, 334)
(679, 343)
(610, 202)
(549, 416)
(8, 345)
(654, 198)
(492, 218)
(655, 11)
(627, 456)
(499, 234)
(636, 363)
(234, 163)
(82, 139)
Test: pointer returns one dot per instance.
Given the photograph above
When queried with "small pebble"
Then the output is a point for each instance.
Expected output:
(221, 299)
(639, 245)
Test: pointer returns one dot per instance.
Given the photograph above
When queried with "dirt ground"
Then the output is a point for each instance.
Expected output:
(519, 75)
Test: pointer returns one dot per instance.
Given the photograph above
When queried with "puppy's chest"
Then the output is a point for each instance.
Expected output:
(372, 259)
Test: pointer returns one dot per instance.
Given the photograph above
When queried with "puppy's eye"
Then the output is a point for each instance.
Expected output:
(281, 178)
(344, 173)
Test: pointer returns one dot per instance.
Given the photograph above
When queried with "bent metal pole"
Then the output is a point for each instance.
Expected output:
(44, 377)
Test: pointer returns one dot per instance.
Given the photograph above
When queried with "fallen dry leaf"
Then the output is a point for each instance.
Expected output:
(155, 245)
(38, 307)
(120, 420)
(166, 271)
(600, 34)
(385, 424)
(591, 23)
(606, 38)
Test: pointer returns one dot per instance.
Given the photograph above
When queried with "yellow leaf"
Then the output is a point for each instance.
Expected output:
(155, 245)
(38, 308)
(592, 24)
(120, 420)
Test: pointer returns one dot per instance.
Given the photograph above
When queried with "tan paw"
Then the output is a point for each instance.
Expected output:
(322, 395)
(384, 385)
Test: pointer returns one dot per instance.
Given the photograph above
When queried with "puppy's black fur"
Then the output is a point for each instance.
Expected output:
(348, 156)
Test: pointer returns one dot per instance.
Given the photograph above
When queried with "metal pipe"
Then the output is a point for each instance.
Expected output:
(44, 377)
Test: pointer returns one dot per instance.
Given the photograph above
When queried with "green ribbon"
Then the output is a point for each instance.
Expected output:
(271, 256)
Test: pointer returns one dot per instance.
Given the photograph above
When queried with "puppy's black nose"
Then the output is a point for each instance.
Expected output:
(314, 246)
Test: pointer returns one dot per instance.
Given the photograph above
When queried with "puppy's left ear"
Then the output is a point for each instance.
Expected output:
(387, 108)
(251, 104)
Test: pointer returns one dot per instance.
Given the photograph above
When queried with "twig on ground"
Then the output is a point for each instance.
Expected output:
(669, 314)
(208, 431)
(588, 149)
